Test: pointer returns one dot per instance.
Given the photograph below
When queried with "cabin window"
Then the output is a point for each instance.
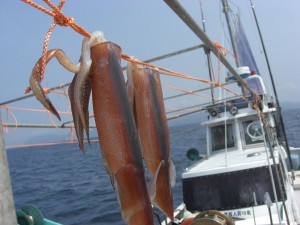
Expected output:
(252, 132)
(218, 137)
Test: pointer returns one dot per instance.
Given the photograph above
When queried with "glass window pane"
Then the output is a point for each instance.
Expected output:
(255, 84)
(252, 132)
(218, 137)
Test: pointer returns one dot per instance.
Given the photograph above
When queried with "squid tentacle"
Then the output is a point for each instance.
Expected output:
(36, 77)
(77, 122)
(81, 85)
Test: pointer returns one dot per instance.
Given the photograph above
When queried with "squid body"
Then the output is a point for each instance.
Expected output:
(144, 88)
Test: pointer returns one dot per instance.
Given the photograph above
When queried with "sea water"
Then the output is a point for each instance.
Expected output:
(74, 189)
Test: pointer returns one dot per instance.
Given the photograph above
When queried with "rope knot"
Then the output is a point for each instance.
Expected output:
(220, 48)
(217, 44)
(46, 90)
(62, 20)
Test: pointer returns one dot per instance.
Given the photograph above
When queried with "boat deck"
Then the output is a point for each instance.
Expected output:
(233, 160)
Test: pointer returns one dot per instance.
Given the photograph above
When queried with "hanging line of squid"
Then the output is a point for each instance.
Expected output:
(39, 70)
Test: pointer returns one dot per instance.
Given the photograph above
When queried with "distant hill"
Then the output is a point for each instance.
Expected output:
(190, 119)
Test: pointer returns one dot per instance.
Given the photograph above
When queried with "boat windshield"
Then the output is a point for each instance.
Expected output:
(218, 137)
(252, 132)
(256, 84)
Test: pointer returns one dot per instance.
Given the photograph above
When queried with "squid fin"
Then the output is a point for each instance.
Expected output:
(160, 196)
(133, 196)
(172, 172)
(152, 184)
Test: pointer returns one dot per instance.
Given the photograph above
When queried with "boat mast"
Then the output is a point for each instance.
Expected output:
(189, 21)
(226, 12)
(207, 54)
(274, 89)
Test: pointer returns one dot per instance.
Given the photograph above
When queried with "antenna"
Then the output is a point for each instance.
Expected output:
(226, 10)
(275, 92)
(207, 53)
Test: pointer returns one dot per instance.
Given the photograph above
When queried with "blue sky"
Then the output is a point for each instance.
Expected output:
(143, 29)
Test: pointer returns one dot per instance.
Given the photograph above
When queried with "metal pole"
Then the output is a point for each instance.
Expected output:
(207, 55)
(198, 90)
(270, 215)
(31, 95)
(226, 9)
(266, 142)
(254, 203)
(7, 205)
(268, 139)
(274, 89)
(184, 114)
(171, 54)
(188, 20)
(43, 125)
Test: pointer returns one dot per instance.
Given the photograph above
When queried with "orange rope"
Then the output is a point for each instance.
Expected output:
(222, 50)
(60, 19)
(63, 20)
(5, 128)
(47, 144)
(174, 116)
(61, 93)
(45, 47)
(184, 109)
(163, 70)
(50, 117)
(34, 110)
(188, 92)
(171, 108)
(72, 134)
(8, 111)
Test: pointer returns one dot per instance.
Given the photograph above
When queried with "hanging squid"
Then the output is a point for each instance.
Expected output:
(79, 94)
(99, 70)
(79, 91)
(145, 92)
(117, 133)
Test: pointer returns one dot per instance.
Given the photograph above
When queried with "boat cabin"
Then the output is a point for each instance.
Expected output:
(234, 123)
(235, 174)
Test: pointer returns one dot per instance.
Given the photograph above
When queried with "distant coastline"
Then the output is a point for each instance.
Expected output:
(51, 136)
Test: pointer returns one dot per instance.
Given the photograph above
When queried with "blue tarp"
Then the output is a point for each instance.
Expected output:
(244, 52)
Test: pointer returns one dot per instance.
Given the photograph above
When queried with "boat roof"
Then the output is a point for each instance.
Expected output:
(232, 161)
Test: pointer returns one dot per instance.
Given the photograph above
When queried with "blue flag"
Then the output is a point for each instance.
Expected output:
(244, 52)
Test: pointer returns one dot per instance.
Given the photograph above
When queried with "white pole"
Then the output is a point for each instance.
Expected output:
(7, 206)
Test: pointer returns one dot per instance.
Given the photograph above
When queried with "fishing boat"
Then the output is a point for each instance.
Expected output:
(249, 174)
